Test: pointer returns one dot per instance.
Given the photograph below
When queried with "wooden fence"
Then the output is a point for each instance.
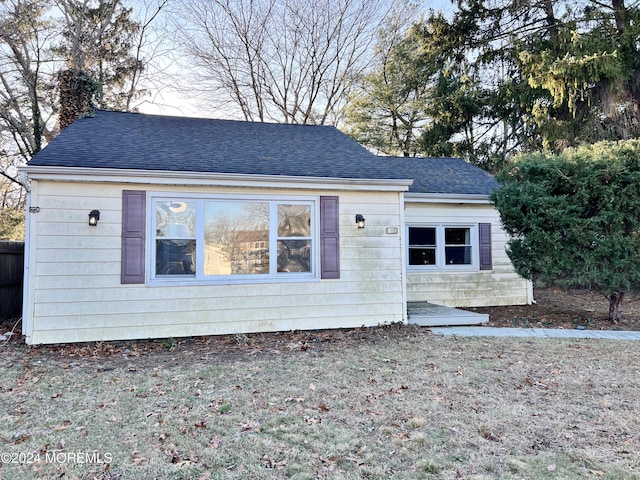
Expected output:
(11, 276)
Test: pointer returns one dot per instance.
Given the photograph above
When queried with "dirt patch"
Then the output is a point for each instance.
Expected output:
(558, 309)
(222, 348)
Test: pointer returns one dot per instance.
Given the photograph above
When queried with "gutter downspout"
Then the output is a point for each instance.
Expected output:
(403, 244)
(30, 229)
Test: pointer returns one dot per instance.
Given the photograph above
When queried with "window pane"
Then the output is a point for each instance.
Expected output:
(175, 257)
(458, 255)
(422, 246)
(422, 236)
(422, 256)
(175, 237)
(175, 219)
(236, 237)
(457, 236)
(294, 221)
(294, 255)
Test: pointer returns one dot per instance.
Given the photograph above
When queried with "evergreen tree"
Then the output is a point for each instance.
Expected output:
(388, 108)
(98, 41)
(558, 73)
(503, 77)
(574, 218)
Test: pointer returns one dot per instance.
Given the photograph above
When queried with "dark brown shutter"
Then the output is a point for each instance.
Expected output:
(484, 234)
(329, 238)
(133, 236)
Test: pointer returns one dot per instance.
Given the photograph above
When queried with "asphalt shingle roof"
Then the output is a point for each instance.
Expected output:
(154, 142)
(444, 175)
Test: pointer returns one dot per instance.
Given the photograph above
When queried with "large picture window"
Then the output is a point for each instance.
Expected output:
(232, 238)
(443, 247)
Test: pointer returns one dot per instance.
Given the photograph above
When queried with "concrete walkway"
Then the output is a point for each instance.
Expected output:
(535, 332)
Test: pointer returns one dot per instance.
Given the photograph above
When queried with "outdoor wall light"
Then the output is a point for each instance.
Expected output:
(360, 221)
(94, 216)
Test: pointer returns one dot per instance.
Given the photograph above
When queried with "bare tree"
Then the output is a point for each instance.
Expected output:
(38, 40)
(25, 96)
(25, 104)
(291, 61)
(148, 45)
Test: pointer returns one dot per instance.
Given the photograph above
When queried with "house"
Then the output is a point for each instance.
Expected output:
(143, 226)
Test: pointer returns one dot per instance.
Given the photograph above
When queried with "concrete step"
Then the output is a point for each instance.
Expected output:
(431, 315)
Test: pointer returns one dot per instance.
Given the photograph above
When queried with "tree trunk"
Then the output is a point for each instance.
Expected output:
(75, 96)
(615, 304)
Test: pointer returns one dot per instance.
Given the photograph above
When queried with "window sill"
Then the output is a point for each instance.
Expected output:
(447, 269)
(197, 282)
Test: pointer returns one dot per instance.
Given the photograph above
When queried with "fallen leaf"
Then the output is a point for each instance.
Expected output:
(552, 467)
(291, 399)
(63, 426)
(489, 435)
(21, 439)
(250, 427)
(271, 463)
(597, 473)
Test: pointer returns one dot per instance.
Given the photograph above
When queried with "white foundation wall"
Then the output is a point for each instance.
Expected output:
(74, 294)
(479, 288)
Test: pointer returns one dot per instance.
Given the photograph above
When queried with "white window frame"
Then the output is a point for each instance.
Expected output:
(440, 264)
(199, 278)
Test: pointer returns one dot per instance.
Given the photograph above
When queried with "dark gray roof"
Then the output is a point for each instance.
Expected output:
(154, 142)
(443, 175)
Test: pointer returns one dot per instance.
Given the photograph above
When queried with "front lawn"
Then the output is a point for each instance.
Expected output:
(391, 402)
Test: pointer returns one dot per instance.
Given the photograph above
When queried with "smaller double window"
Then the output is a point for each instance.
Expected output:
(443, 247)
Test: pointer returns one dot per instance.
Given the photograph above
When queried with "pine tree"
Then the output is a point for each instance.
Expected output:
(574, 218)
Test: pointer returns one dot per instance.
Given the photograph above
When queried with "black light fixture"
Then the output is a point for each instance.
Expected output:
(360, 221)
(94, 216)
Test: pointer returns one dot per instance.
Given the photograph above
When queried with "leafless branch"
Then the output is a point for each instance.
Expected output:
(290, 61)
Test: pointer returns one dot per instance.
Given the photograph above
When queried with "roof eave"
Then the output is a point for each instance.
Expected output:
(168, 177)
(476, 198)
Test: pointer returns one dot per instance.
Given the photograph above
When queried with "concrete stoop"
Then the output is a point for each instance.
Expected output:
(431, 315)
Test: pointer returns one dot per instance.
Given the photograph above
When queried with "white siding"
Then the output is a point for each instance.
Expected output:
(498, 286)
(75, 293)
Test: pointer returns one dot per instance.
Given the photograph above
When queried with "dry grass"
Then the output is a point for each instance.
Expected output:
(385, 403)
